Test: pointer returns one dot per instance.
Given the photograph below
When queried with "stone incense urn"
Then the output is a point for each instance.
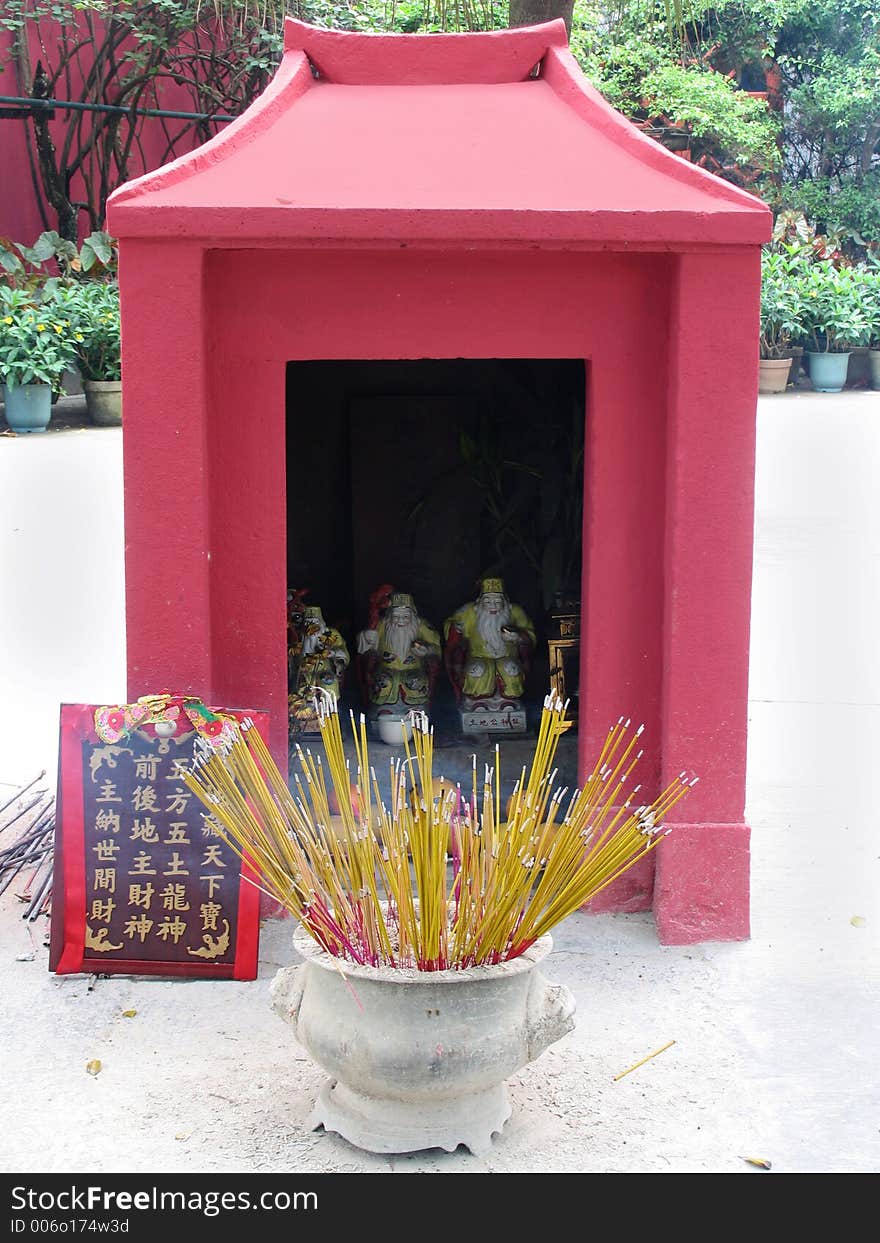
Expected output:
(419, 1059)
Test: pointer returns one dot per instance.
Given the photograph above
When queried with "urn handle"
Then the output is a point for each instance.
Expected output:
(286, 992)
(549, 1014)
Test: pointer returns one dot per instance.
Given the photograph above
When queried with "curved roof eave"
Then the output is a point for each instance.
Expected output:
(486, 152)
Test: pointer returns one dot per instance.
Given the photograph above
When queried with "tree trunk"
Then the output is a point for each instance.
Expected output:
(533, 12)
(869, 146)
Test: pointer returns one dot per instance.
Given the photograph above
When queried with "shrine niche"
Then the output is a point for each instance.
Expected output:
(338, 262)
(443, 474)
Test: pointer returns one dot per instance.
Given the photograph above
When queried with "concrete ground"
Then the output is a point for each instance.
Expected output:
(775, 1053)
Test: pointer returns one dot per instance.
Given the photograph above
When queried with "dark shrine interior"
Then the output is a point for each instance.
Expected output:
(431, 475)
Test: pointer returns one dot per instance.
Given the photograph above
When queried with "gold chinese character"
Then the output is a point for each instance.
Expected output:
(209, 912)
(102, 910)
(178, 768)
(107, 821)
(138, 927)
(142, 863)
(146, 831)
(177, 802)
(140, 895)
(106, 850)
(145, 768)
(210, 826)
(174, 898)
(105, 878)
(177, 833)
(144, 799)
(176, 867)
(214, 883)
(108, 793)
(212, 855)
(171, 928)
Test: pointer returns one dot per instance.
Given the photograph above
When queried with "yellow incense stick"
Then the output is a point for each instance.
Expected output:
(656, 1053)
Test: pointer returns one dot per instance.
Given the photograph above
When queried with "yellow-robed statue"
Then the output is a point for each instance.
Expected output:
(398, 659)
(319, 664)
(489, 643)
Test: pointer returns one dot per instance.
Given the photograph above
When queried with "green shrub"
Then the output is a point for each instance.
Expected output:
(38, 340)
(835, 306)
(93, 306)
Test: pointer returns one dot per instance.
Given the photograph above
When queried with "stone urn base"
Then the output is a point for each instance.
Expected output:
(419, 1059)
(401, 1126)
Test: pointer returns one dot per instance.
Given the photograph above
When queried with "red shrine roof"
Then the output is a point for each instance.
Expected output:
(465, 138)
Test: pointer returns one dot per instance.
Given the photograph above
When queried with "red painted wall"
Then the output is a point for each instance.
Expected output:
(20, 217)
(666, 595)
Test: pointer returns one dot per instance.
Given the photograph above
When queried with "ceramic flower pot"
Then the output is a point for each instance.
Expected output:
(828, 371)
(393, 729)
(858, 372)
(104, 401)
(874, 363)
(28, 406)
(419, 1059)
(773, 375)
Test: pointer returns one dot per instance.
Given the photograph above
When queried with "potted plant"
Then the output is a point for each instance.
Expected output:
(780, 317)
(37, 345)
(423, 920)
(871, 279)
(835, 318)
(94, 308)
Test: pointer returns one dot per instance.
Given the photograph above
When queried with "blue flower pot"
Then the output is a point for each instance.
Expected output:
(28, 407)
(828, 371)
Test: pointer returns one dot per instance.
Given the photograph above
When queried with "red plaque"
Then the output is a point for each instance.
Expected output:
(143, 882)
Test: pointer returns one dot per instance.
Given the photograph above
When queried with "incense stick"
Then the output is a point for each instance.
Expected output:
(656, 1052)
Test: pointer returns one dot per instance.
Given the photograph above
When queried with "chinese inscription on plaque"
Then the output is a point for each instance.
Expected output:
(146, 875)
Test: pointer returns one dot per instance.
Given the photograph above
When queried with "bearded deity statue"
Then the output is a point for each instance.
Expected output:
(398, 659)
(321, 663)
(489, 644)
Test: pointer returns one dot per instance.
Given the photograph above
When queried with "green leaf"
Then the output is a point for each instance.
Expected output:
(45, 246)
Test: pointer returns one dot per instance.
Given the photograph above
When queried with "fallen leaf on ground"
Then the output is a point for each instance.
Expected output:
(129, 1014)
(858, 921)
(761, 1162)
(94, 1066)
(183, 1135)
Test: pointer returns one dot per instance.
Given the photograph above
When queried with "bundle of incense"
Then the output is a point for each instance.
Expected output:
(440, 877)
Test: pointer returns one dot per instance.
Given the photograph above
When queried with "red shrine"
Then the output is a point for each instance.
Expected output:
(405, 202)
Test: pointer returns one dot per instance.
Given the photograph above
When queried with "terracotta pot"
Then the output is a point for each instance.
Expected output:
(104, 401)
(773, 375)
(419, 1059)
